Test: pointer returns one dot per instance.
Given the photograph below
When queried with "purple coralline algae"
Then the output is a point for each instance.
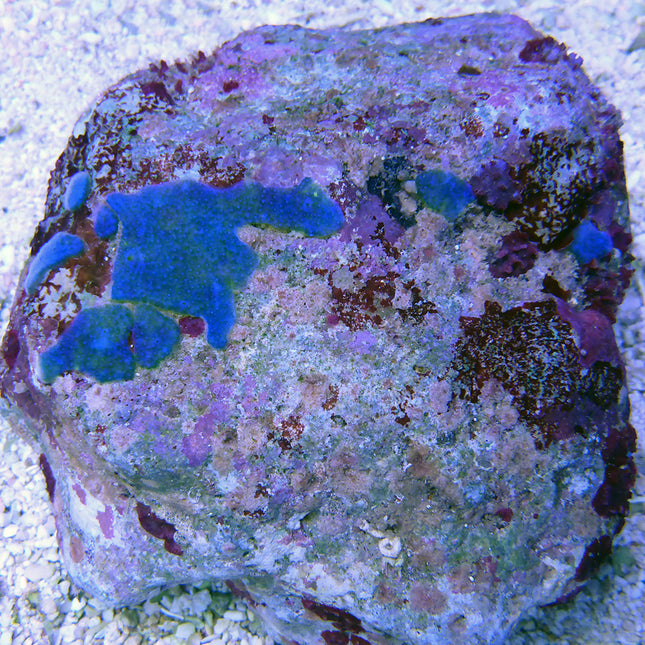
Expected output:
(327, 316)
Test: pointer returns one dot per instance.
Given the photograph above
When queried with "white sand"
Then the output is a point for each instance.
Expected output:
(55, 59)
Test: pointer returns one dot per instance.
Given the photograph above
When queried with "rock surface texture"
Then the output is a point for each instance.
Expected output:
(328, 315)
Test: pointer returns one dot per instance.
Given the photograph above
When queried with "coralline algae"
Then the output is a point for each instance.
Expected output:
(328, 316)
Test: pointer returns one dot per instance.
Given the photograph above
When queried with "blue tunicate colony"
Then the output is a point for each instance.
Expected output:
(61, 246)
(444, 192)
(589, 243)
(106, 343)
(52, 255)
(178, 251)
(95, 343)
(153, 336)
(107, 223)
(77, 191)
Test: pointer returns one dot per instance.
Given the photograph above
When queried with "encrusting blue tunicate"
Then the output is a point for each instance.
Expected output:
(77, 191)
(52, 255)
(444, 192)
(589, 243)
(179, 251)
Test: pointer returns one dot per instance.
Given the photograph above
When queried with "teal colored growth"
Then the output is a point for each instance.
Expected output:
(95, 343)
(107, 223)
(153, 336)
(444, 192)
(179, 251)
(106, 343)
(52, 255)
(77, 191)
(589, 243)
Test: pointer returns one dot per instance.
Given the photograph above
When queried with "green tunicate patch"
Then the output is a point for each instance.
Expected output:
(179, 251)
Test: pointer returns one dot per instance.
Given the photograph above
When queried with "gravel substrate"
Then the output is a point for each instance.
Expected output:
(57, 57)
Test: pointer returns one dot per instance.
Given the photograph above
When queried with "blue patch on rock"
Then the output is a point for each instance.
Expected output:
(52, 255)
(179, 251)
(107, 223)
(444, 193)
(589, 243)
(77, 191)
(154, 336)
(96, 343)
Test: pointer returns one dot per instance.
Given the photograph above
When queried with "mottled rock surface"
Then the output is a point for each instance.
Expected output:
(328, 315)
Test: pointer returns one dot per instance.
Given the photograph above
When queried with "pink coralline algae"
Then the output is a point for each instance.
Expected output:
(327, 316)
(516, 256)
